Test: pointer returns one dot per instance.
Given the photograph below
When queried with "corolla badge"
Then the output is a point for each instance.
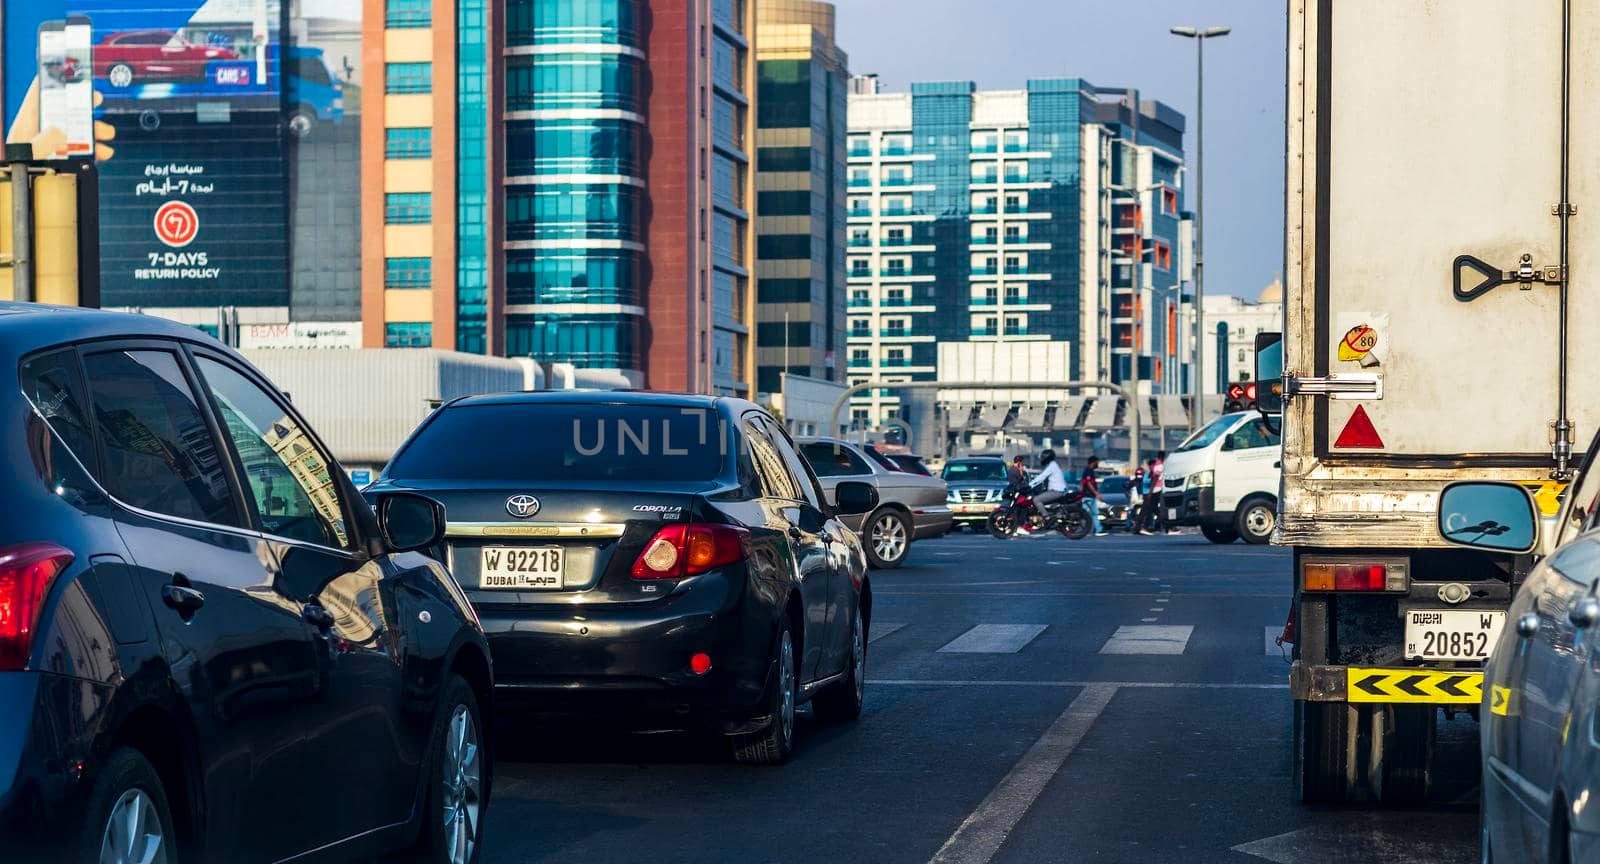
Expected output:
(522, 506)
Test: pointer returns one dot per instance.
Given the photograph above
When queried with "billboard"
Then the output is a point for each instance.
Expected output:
(200, 109)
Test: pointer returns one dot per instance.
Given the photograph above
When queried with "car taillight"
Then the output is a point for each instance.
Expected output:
(26, 572)
(677, 551)
(1353, 575)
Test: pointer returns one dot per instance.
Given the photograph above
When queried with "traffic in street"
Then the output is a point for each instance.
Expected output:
(1033, 700)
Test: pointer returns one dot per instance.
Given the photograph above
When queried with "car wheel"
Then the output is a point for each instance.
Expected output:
(1221, 536)
(120, 75)
(1256, 520)
(774, 744)
(842, 702)
(458, 788)
(127, 816)
(888, 539)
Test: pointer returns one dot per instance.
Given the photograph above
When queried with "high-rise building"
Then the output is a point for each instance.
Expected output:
(1034, 232)
(802, 83)
(566, 180)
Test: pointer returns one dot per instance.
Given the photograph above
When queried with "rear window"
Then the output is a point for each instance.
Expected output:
(972, 472)
(551, 443)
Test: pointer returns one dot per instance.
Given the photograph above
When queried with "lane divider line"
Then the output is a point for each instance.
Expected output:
(981, 834)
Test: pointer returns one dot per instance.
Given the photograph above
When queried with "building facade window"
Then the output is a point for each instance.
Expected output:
(574, 147)
(407, 208)
(586, 341)
(564, 81)
(610, 276)
(407, 272)
(408, 335)
(556, 211)
(472, 183)
(543, 22)
(407, 143)
(402, 78)
(406, 14)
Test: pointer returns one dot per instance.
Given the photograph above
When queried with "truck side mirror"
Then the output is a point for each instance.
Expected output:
(1269, 373)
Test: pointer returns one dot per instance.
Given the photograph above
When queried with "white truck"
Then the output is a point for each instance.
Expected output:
(1224, 479)
(1439, 282)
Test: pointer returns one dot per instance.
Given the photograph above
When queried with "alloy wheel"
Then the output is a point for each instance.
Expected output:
(889, 537)
(463, 785)
(133, 832)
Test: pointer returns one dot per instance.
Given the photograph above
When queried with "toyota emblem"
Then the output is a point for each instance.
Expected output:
(522, 506)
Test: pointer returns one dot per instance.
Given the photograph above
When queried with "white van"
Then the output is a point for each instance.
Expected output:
(1224, 478)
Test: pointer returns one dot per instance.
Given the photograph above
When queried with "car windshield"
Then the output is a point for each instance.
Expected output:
(972, 472)
(1209, 434)
(549, 443)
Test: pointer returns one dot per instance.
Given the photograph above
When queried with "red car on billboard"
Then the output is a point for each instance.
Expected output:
(146, 56)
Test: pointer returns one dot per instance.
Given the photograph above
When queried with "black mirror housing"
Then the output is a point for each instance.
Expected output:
(852, 497)
(1269, 373)
(410, 522)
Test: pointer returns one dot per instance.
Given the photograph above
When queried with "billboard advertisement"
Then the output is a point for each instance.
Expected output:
(195, 111)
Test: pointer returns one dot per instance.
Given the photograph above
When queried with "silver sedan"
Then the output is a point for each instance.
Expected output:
(912, 506)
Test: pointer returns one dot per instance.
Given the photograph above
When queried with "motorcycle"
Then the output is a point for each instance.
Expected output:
(1017, 513)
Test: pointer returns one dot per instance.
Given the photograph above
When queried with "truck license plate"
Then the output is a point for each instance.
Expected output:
(1452, 634)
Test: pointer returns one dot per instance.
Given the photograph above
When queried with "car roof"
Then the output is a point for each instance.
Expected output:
(604, 397)
(1001, 459)
(25, 327)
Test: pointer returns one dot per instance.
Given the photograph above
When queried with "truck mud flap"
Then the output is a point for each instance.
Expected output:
(1434, 687)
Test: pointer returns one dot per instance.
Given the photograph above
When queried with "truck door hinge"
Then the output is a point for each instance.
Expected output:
(1525, 276)
(1337, 385)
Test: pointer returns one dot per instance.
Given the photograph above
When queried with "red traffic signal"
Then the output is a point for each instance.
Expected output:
(1241, 396)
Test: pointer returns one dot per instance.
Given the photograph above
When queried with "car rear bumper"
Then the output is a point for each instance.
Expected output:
(630, 662)
(44, 733)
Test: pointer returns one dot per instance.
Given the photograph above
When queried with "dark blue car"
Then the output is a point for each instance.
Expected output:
(201, 621)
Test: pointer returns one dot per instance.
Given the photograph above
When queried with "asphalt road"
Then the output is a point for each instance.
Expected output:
(1012, 719)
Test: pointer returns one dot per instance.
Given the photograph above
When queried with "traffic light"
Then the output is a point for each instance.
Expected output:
(1241, 396)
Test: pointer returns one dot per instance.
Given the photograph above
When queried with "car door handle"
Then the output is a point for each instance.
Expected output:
(1528, 625)
(182, 598)
(317, 616)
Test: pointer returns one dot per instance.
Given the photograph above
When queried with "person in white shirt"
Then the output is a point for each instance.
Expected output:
(1050, 480)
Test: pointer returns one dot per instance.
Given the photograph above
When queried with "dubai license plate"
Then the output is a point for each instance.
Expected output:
(1452, 634)
(521, 567)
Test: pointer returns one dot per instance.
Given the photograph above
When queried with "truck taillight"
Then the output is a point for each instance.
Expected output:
(26, 572)
(686, 550)
(1353, 575)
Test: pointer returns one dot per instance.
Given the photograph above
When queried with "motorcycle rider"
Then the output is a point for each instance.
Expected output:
(1051, 482)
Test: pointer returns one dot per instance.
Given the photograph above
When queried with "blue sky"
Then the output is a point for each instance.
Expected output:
(1000, 44)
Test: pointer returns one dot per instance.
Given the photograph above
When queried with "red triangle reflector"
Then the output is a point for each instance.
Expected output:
(1359, 432)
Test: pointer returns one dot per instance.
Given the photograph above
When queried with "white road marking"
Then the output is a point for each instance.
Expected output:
(880, 629)
(980, 836)
(1152, 639)
(1158, 685)
(1001, 558)
(1162, 600)
(1158, 609)
(1129, 573)
(993, 639)
(1148, 620)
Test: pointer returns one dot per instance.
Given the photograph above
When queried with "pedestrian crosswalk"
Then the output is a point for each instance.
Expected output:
(1148, 637)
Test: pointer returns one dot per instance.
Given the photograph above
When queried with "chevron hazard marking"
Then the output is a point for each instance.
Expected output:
(1442, 687)
(1500, 700)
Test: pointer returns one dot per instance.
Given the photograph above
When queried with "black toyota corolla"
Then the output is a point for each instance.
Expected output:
(661, 559)
(210, 648)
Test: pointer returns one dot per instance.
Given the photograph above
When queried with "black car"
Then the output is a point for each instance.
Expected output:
(211, 649)
(655, 560)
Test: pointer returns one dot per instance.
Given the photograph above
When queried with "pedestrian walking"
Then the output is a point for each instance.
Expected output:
(1089, 485)
(1150, 512)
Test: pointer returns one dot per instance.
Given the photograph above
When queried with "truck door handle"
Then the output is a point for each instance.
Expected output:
(1278, 464)
(317, 616)
(182, 598)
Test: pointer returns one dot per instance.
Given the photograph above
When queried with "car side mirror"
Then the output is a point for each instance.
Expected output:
(1269, 373)
(1496, 516)
(410, 522)
(851, 497)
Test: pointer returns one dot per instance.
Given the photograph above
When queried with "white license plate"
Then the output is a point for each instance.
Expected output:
(1452, 634)
(1172, 514)
(521, 567)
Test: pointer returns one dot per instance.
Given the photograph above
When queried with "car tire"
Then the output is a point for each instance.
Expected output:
(120, 75)
(1220, 536)
(1408, 745)
(888, 539)
(301, 122)
(842, 702)
(459, 776)
(128, 788)
(775, 744)
(1256, 520)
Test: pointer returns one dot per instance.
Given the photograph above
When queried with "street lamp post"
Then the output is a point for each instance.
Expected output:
(1199, 36)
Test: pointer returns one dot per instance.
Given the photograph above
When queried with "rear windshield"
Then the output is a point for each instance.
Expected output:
(957, 472)
(552, 443)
